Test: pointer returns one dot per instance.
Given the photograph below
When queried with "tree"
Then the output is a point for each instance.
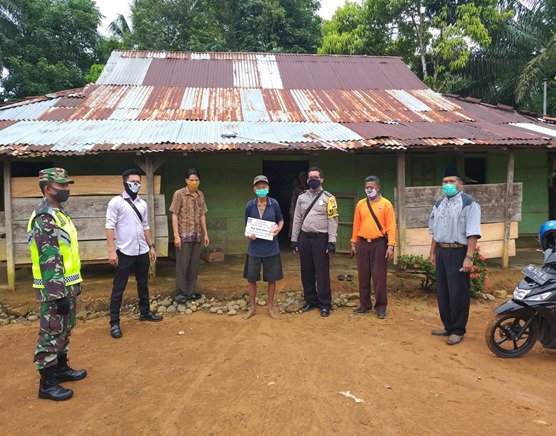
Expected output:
(512, 68)
(54, 44)
(226, 25)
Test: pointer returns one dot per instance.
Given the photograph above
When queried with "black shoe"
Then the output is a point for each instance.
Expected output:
(324, 312)
(150, 317)
(181, 299)
(193, 297)
(49, 389)
(307, 308)
(442, 332)
(381, 314)
(115, 331)
(360, 311)
(65, 373)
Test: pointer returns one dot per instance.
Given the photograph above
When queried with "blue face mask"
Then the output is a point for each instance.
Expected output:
(449, 190)
(261, 192)
(313, 183)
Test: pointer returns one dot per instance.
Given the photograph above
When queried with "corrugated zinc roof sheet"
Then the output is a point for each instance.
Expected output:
(258, 70)
(155, 101)
(84, 133)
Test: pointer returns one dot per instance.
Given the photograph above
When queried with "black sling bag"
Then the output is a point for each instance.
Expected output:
(310, 207)
(375, 218)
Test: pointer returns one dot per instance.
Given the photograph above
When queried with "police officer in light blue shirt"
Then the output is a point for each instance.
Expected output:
(455, 227)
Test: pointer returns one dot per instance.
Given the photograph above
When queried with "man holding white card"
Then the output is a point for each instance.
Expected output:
(263, 221)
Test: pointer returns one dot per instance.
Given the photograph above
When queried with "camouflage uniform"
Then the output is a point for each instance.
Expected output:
(54, 329)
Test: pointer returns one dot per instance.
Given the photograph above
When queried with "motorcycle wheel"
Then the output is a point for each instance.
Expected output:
(511, 335)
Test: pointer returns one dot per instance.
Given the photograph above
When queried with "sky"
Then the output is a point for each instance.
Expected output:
(111, 8)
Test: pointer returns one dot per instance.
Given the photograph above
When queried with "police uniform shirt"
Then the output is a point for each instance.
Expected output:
(322, 218)
(454, 219)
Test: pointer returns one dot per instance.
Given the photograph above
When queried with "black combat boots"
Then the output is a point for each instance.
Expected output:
(65, 373)
(49, 388)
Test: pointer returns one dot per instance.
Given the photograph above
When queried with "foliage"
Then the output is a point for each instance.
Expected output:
(225, 25)
(52, 46)
(420, 265)
(94, 73)
(358, 29)
(478, 276)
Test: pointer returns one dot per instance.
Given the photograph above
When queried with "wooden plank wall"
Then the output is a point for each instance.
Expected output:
(420, 200)
(84, 185)
(88, 214)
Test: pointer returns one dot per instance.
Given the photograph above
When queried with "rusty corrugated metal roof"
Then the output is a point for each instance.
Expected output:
(156, 101)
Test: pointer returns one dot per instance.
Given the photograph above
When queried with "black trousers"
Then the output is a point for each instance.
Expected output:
(452, 289)
(140, 265)
(315, 270)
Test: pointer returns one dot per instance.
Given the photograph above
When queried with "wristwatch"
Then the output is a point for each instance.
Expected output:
(152, 246)
(469, 257)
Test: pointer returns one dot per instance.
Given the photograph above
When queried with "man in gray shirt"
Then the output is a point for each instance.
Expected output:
(315, 224)
(455, 227)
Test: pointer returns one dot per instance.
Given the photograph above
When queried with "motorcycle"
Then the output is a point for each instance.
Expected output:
(531, 313)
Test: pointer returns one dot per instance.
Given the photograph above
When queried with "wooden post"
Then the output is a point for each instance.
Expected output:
(507, 214)
(149, 172)
(10, 258)
(400, 202)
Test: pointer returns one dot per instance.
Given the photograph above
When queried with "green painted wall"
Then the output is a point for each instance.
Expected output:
(226, 181)
(531, 168)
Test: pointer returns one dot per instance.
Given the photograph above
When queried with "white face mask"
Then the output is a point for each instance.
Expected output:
(371, 192)
(134, 186)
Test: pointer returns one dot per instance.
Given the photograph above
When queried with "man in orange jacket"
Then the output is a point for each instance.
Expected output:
(373, 240)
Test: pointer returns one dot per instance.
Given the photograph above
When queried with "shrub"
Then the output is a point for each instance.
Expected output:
(418, 264)
(478, 276)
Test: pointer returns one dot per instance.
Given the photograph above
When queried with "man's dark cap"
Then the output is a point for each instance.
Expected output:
(451, 171)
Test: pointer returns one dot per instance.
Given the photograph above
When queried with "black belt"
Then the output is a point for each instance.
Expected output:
(315, 235)
(451, 245)
(371, 240)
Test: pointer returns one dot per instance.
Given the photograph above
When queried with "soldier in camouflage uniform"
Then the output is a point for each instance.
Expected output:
(57, 282)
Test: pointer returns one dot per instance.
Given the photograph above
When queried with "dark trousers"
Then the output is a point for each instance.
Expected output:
(187, 267)
(372, 263)
(452, 289)
(139, 264)
(315, 267)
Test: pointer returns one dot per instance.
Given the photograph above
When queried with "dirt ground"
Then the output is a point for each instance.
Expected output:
(225, 375)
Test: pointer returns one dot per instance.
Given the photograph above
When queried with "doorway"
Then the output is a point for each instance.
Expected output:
(282, 175)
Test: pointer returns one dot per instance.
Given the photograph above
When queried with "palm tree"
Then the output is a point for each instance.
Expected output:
(119, 28)
(542, 65)
(521, 55)
(8, 16)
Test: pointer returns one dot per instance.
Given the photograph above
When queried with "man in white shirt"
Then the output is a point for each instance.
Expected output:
(130, 247)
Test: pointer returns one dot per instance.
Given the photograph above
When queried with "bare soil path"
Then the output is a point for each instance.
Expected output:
(226, 375)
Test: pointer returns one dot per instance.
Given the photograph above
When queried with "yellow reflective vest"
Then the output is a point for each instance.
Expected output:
(69, 249)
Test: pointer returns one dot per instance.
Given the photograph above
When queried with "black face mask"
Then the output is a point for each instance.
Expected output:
(132, 194)
(61, 195)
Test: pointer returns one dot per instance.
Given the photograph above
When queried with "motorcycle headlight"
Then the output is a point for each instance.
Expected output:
(520, 294)
(541, 297)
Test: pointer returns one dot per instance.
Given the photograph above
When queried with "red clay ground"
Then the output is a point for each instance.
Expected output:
(226, 375)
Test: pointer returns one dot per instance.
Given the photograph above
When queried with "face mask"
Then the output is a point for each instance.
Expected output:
(449, 190)
(132, 188)
(193, 186)
(371, 192)
(61, 195)
(261, 192)
(313, 183)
